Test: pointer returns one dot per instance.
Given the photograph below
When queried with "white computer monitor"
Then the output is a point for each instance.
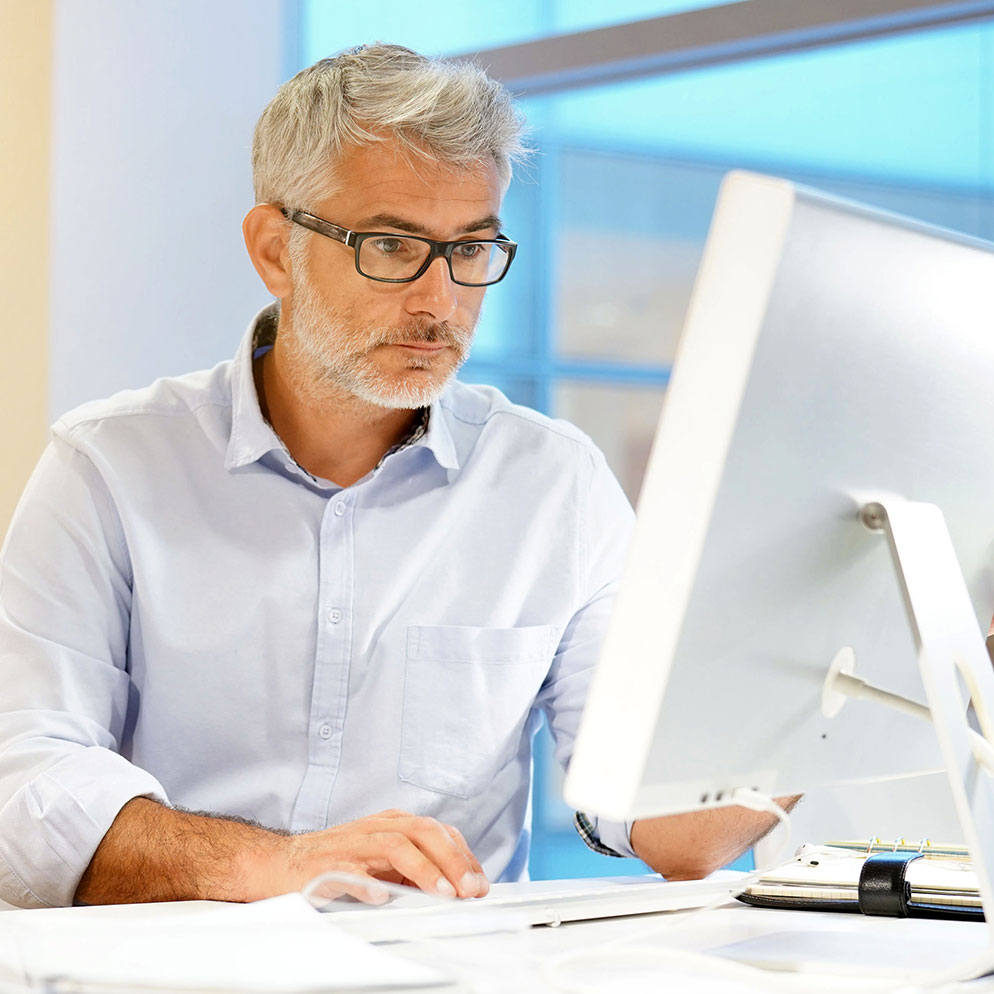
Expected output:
(833, 356)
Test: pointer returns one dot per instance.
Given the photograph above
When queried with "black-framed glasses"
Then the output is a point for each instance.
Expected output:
(392, 258)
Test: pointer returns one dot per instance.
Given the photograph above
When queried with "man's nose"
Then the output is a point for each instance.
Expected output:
(433, 294)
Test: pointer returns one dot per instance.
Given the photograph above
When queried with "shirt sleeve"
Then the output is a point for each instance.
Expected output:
(65, 605)
(604, 530)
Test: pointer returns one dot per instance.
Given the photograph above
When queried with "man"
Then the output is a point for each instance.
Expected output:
(323, 591)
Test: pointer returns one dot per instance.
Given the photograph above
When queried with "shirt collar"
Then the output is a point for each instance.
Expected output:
(438, 438)
(252, 436)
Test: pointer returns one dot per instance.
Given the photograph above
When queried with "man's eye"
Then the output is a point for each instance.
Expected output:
(390, 246)
(470, 250)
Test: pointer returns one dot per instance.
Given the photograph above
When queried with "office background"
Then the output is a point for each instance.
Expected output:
(131, 123)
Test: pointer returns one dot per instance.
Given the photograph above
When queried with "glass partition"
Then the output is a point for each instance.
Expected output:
(444, 29)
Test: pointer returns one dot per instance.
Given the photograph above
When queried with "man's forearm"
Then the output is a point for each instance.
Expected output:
(692, 845)
(155, 853)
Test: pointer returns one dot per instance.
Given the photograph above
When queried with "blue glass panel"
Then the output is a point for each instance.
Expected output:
(513, 310)
(917, 108)
(432, 28)
(517, 389)
(437, 28)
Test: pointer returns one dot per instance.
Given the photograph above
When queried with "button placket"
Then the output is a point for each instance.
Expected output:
(331, 666)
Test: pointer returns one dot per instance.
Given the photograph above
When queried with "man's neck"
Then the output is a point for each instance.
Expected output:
(329, 432)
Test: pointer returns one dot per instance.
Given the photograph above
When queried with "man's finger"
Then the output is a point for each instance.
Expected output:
(460, 841)
(451, 854)
(396, 851)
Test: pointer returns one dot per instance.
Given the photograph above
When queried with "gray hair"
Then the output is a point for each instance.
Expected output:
(436, 109)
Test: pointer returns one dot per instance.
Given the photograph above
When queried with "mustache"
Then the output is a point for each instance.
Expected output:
(426, 333)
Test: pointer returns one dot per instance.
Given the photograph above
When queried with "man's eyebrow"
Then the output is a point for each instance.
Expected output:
(378, 221)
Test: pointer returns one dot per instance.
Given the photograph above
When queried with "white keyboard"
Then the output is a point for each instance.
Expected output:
(536, 902)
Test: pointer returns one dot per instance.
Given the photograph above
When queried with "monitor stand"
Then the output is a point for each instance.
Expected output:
(951, 652)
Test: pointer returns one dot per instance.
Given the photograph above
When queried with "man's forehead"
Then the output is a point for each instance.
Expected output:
(380, 182)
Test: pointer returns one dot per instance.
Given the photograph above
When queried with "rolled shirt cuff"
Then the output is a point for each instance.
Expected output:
(51, 827)
(609, 838)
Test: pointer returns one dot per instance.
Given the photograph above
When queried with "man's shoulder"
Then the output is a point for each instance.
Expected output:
(485, 409)
(168, 397)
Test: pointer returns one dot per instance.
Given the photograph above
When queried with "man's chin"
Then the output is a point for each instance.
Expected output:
(406, 391)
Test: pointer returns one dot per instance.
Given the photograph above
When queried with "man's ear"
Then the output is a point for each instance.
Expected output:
(265, 231)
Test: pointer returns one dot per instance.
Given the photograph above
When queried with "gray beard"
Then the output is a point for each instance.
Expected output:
(327, 352)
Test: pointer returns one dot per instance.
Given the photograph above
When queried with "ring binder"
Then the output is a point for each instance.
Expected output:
(896, 879)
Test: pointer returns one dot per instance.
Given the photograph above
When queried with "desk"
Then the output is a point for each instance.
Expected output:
(862, 947)
(513, 964)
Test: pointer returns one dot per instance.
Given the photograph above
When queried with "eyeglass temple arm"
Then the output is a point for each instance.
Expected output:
(319, 225)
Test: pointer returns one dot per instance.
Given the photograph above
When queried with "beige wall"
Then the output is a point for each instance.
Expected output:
(25, 137)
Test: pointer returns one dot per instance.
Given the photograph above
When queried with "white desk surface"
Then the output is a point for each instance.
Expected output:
(839, 951)
(851, 948)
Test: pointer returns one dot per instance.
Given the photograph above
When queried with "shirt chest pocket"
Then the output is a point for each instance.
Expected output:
(467, 696)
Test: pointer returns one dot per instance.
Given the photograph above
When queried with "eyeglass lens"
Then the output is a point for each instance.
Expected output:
(394, 257)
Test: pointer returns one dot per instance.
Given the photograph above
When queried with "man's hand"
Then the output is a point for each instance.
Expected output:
(155, 853)
(394, 846)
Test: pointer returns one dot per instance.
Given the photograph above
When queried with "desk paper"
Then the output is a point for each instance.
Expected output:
(280, 945)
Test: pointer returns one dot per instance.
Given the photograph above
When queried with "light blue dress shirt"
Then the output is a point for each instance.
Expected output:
(187, 614)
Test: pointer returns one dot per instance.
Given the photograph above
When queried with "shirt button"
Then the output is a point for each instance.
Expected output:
(340, 508)
(325, 731)
(334, 615)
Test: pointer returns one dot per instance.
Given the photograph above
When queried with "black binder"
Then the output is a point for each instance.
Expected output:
(895, 880)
